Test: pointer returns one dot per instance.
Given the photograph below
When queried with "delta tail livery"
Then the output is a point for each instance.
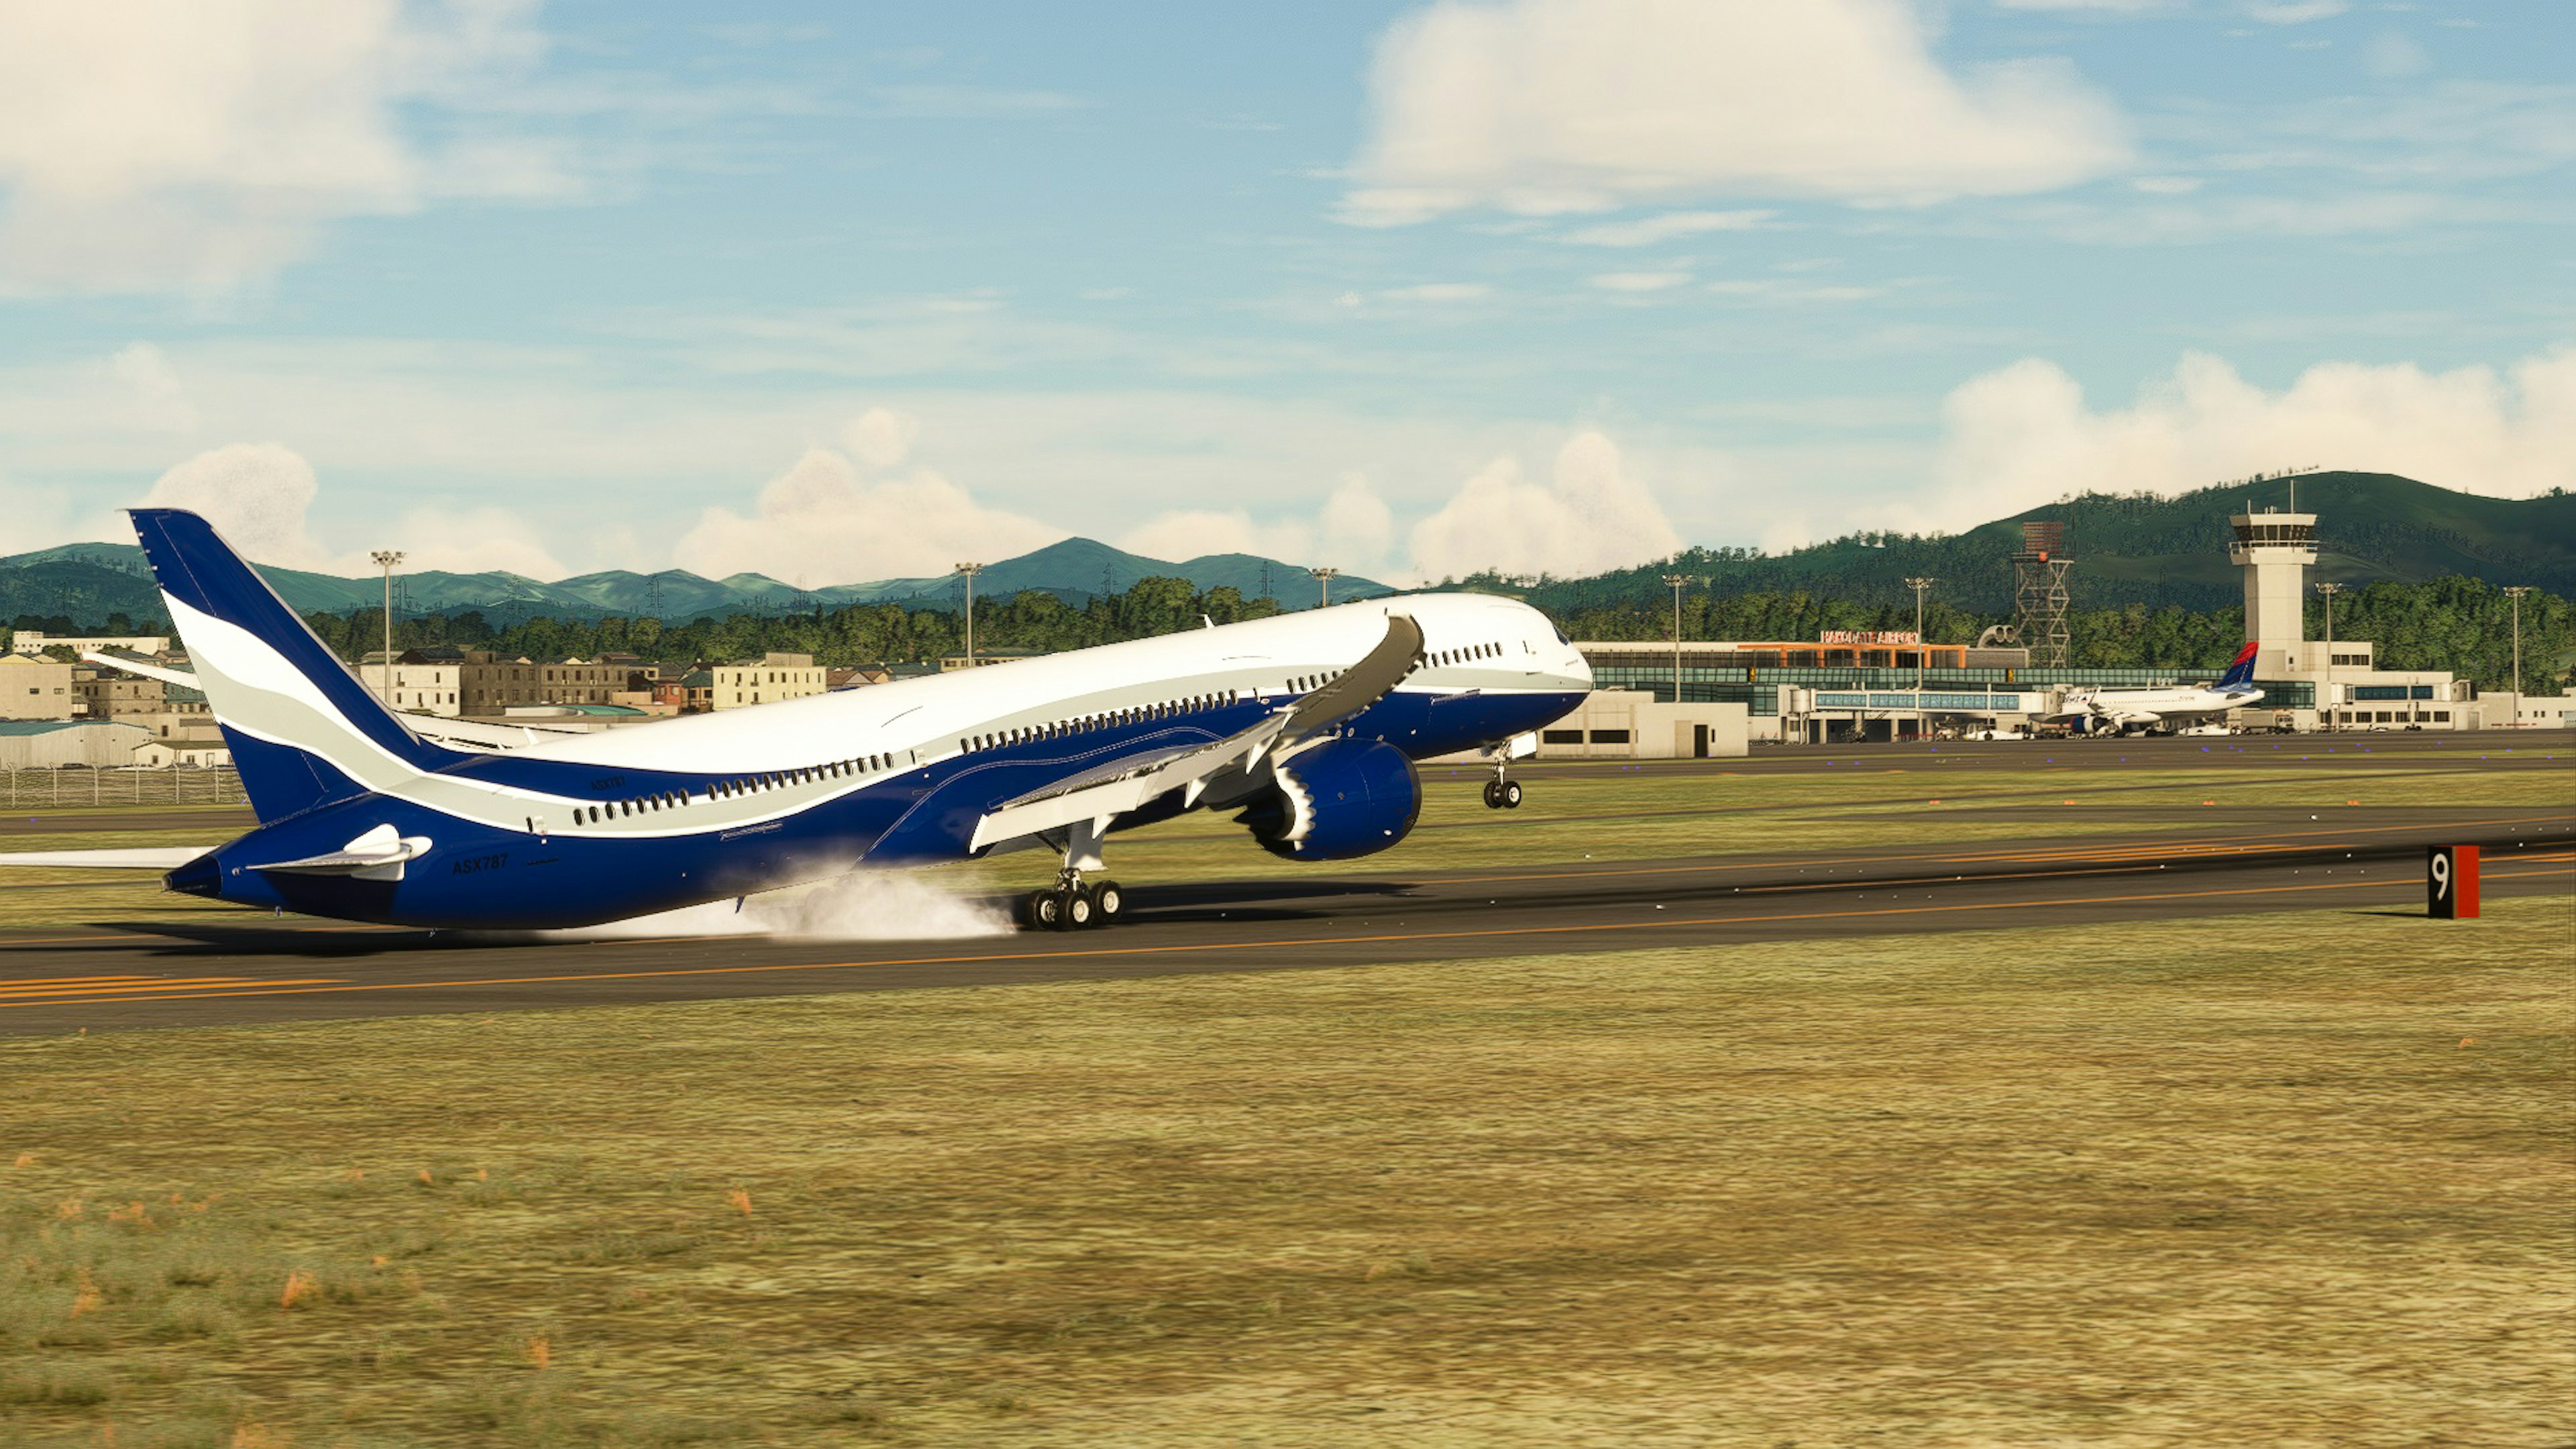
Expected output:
(1305, 727)
(2147, 708)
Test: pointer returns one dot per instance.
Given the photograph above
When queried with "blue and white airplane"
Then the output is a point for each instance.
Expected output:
(1307, 726)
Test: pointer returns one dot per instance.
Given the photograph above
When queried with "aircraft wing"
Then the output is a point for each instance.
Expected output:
(149, 858)
(429, 727)
(1112, 789)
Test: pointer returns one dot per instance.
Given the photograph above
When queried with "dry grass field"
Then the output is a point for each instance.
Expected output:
(2287, 1180)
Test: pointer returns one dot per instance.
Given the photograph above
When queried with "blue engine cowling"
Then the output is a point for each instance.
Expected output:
(1342, 799)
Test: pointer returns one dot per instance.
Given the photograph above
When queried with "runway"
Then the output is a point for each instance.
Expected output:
(247, 970)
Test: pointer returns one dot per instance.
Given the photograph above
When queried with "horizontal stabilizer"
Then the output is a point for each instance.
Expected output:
(377, 855)
(151, 858)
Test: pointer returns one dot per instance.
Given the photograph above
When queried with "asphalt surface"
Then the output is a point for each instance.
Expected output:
(2166, 862)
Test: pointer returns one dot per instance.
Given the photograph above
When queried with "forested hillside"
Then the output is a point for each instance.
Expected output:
(2141, 550)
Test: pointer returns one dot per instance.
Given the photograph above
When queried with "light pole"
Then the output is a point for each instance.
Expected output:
(2323, 713)
(1677, 583)
(385, 559)
(970, 570)
(1324, 585)
(2515, 593)
(1919, 586)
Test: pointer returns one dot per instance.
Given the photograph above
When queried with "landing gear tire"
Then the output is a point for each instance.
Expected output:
(1076, 910)
(1108, 903)
(1493, 794)
(1042, 910)
(1509, 793)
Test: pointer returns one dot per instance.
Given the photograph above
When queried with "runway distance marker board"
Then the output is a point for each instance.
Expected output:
(2451, 882)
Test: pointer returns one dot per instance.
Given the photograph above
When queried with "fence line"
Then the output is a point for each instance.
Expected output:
(170, 785)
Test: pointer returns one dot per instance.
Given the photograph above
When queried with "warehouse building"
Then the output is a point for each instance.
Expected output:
(62, 744)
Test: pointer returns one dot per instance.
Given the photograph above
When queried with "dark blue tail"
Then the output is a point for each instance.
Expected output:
(303, 730)
(2239, 675)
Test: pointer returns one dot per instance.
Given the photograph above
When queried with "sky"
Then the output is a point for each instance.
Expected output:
(844, 292)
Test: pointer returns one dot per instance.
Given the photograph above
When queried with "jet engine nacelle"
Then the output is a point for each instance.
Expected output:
(1342, 799)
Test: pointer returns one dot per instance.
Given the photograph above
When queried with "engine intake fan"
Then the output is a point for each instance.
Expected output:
(1340, 800)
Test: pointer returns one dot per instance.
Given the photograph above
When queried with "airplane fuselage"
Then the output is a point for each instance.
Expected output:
(656, 817)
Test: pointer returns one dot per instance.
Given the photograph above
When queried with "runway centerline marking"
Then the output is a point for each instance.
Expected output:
(1383, 939)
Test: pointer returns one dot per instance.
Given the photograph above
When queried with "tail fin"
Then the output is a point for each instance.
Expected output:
(303, 730)
(2241, 673)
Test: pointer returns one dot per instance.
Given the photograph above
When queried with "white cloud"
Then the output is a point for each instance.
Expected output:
(1191, 533)
(880, 437)
(196, 144)
(1439, 292)
(1357, 526)
(465, 541)
(1552, 106)
(2182, 223)
(2127, 7)
(828, 520)
(161, 400)
(1638, 281)
(1589, 516)
(2295, 12)
(255, 494)
(2168, 185)
(2392, 55)
(259, 496)
(1776, 289)
(2023, 434)
(1655, 230)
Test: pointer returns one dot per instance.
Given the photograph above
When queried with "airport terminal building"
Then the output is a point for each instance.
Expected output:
(1861, 686)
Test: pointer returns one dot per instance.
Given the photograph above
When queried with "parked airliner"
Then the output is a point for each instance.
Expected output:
(1305, 726)
(2147, 708)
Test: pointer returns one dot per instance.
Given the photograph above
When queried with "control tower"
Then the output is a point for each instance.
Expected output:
(2275, 550)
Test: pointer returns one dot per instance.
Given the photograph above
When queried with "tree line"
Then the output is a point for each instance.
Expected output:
(2460, 624)
(855, 634)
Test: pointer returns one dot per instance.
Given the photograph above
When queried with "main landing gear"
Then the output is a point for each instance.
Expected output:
(1073, 905)
(1502, 792)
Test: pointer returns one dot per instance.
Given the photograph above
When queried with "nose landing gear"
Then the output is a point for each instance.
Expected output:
(1502, 792)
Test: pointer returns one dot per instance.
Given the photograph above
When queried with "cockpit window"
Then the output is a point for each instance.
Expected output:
(1559, 633)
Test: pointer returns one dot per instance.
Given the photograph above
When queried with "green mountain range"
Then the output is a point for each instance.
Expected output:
(2142, 550)
(86, 582)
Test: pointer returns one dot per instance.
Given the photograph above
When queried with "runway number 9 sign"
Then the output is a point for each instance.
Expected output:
(2451, 882)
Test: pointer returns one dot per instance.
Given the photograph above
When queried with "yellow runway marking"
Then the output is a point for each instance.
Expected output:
(1104, 952)
(128, 986)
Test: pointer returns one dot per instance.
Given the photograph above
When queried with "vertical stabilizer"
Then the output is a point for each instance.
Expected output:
(303, 730)
(2240, 675)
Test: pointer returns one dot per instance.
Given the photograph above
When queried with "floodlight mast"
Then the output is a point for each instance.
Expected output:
(2515, 593)
(385, 559)
(1324, 585)
(970, 570)
(1919, 586)
(1677, 583)
(2324, 712)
